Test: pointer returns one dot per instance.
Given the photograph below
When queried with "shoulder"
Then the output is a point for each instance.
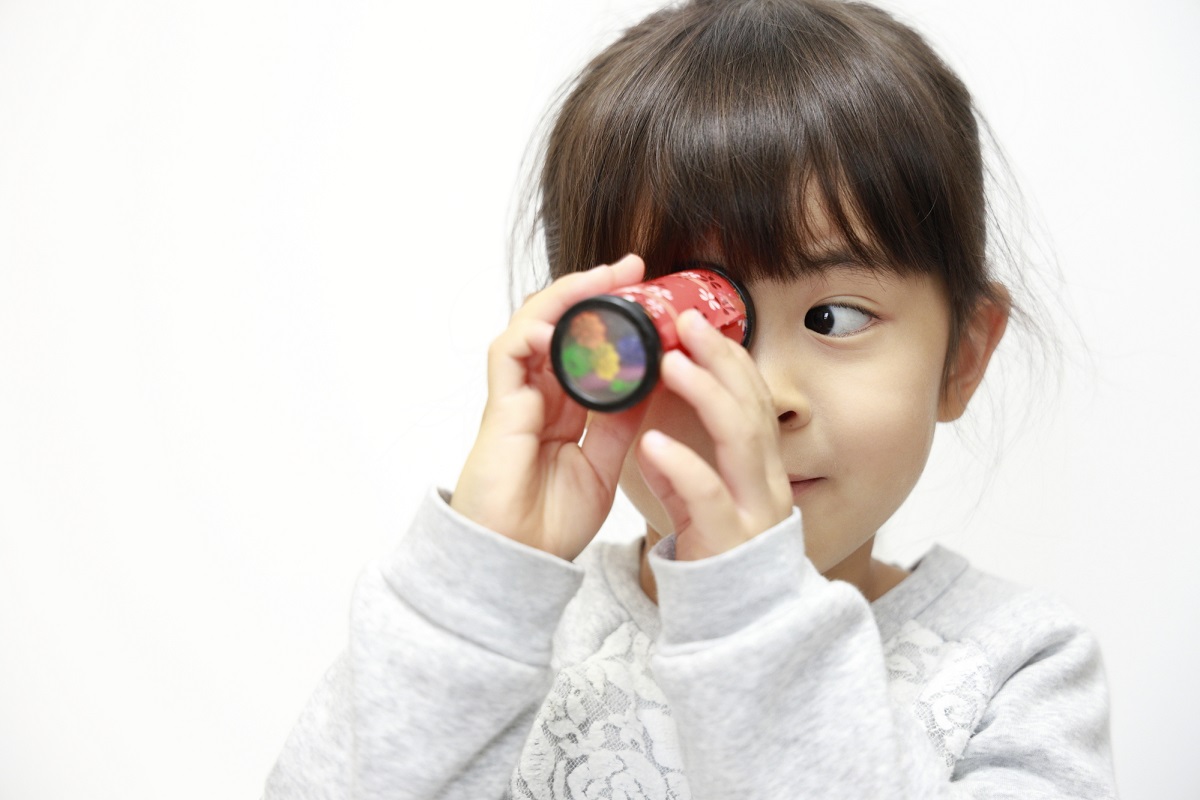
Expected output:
(1012, 624)
(1006, 680)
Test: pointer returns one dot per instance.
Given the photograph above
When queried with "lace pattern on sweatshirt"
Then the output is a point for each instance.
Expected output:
(605, 731)
(946, 685)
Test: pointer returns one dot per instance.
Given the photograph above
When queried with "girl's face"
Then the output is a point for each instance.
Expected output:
(853, 360)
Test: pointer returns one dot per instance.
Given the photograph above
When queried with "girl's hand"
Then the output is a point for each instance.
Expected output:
(717, 506)
(528, 476)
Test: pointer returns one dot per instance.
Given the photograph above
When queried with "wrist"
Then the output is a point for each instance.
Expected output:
(712, 597)
(470, 580)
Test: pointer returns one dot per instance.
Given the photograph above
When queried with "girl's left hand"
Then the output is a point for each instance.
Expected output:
(715, 507)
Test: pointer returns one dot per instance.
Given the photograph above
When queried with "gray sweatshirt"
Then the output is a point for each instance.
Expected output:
(480, 668)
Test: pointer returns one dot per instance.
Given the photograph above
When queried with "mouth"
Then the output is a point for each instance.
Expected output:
(802, 485)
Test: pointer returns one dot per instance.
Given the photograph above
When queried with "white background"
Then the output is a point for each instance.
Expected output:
(250, 256)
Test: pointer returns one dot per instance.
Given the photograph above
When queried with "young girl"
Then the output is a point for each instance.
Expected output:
(749, 646)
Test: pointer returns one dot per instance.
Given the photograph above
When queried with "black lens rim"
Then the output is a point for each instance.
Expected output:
(642, 324)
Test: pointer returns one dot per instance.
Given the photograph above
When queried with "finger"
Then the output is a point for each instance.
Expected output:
(745, 438)
(514, 353)
(727, 360)
(627, 270)
(700, 508)
(553, 301)
(525, 343)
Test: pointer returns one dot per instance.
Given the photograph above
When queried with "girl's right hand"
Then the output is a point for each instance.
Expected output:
(528, 476)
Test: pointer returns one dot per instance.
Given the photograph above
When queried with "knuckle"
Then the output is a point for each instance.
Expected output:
(765, 437)
(709, 491)
(740, 429)
(759, 390)
(498, 347)
(533, 296)
(740, 354)
(567, 282)
(726, 350)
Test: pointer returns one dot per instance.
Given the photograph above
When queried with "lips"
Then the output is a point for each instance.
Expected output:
(802, 485)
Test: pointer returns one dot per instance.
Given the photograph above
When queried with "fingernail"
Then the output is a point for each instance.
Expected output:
(695, 320)
(654, 440)
(672, 356)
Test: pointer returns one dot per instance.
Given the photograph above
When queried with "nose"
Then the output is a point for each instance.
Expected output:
(789, 419)
(793, 407)
(780, 358)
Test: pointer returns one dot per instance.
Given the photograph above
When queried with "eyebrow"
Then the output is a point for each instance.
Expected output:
(824, 262)
(842, 260)
(835, 258)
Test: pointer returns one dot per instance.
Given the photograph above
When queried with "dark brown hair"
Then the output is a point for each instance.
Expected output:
(722, 119)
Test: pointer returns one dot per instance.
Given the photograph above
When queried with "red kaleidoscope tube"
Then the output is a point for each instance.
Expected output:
(606, 349)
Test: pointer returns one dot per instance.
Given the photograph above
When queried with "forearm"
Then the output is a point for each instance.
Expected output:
(447, 663)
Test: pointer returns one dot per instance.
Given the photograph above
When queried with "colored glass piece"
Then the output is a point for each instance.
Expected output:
(588, 329)
(632, 351)
(607, 363)
(577, 360)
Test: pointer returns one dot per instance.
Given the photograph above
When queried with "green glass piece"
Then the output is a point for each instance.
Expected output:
(577, 360)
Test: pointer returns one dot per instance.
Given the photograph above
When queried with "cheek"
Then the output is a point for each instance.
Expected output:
(888, 434)
(878, 432)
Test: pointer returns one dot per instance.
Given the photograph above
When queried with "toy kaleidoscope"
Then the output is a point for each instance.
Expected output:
(605, 349)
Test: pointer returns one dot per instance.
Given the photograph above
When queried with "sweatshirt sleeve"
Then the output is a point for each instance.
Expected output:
(447, 664)
(780, 688)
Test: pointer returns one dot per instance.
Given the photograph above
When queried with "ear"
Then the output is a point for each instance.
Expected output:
(983, 331)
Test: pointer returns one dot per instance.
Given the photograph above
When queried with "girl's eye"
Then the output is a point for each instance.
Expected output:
(836, 320)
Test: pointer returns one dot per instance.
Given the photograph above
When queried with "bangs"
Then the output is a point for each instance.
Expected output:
(779, 135)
